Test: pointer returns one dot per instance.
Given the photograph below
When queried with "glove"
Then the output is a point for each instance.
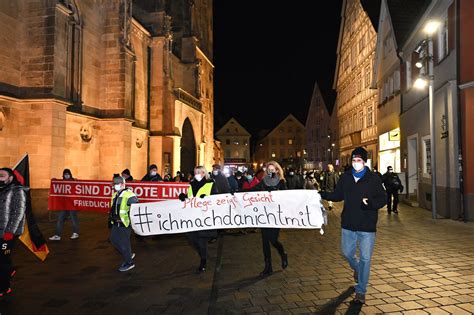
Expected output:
(401, 189)
(7, 236)
(182, 196)
(202, 196)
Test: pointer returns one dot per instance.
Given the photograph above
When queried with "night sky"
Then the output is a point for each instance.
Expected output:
(268, 56)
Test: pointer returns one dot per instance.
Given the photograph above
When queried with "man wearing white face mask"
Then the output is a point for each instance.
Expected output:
(152, 175)
(221, 182)
(363, 196)
(119, 222)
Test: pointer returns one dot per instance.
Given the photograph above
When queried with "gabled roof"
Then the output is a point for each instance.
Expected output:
(234, 122)
(313, 104)
(404, 15)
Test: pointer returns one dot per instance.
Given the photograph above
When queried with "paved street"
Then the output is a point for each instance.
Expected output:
(420, 266)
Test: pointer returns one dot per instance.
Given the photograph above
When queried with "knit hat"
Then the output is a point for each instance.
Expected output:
(359, 152)
(152, 167)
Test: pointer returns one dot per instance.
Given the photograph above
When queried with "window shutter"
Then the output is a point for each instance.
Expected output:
(451, 26)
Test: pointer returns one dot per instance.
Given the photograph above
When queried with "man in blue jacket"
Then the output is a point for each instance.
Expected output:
(363, 196)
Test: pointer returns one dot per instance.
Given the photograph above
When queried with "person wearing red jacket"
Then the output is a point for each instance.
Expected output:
(250, 180)
(12, 219)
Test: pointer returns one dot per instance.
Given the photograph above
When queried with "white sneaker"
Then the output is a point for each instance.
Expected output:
(55, 238)
(74, 236)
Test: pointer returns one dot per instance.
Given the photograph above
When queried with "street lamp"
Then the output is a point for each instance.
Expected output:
(425, 50)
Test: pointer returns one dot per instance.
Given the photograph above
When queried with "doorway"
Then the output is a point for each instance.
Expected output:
(188, 148)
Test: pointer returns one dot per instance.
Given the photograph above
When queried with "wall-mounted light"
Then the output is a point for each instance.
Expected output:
(420, 83)
(431, 27)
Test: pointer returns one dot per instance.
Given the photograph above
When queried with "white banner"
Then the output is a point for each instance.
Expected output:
(295, 209)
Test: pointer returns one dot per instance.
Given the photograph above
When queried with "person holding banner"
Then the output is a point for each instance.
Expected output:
(119, 222)
(274, 180)
(67, 175)
(363, 196)
(12, 220)
(202, 185)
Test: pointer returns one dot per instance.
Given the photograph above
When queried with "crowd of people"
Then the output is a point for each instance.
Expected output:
(363, 191)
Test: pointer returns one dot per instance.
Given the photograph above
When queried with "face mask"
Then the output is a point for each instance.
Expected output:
(358, 166)
(3, 183)
(152, 173)
(198, 177)
(117, 187)
(249, 177)
(271, 174)
(292, 173)
(215, 173)
(67, 176)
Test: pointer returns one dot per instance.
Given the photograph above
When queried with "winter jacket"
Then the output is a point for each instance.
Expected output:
(149, 178)
(392, 182)
(356, 216)
(264, 187)
(294, 182)
(221, 183)
(330, 181)
(233, 184)
(13, 200)
(248, 185)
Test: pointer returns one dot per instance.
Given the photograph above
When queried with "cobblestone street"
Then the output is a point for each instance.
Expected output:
(420, 266)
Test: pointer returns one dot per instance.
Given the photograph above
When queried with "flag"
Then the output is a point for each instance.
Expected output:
(32, 236)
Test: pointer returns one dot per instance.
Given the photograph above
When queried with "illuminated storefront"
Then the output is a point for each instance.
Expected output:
(389, 151)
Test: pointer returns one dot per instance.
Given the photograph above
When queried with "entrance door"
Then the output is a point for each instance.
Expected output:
(413, 168)
(188, 148)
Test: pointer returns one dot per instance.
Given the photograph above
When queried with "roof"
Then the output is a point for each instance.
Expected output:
(405, 14)
(234, 122)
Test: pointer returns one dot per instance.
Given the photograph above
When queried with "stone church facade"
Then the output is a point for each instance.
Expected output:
(99, 86)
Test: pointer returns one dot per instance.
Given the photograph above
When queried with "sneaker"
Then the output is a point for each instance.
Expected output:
(359, 298)
(55, 238)
(126, 267)
(395, 211)
(8, 291)
(133, 255)
(74, 236)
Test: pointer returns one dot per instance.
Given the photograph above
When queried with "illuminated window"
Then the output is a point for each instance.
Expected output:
(290, 141)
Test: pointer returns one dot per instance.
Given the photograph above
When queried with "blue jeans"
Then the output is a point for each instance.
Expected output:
(62, 216)
(366, 240)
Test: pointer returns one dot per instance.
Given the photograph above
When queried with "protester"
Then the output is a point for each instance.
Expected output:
(12, 219)
(126, 175)
(274, 180)
(251, 180)
(375, 170)
(62, 215)
(152, 175)
(310, 181)
(202, 185)
(167, 178)
(119, 222)
(293, 180)
(330, 180)
(240, 180)
(221, 182)
(363, 195)
(393, 185)
(233, 184)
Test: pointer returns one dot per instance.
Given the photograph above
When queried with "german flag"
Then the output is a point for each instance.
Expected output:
(32, 236)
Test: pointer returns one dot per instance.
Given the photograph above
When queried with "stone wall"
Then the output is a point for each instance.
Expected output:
(9, 54)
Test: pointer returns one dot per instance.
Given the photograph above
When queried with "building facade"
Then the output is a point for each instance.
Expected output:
(286, 143)
(414, 119)
(235, 141)
(356, 102)
(100, 86)
(318, 138)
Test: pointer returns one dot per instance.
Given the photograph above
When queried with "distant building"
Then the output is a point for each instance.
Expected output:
(286, 143)
(356, 102)
(235, 141)
(318, 138)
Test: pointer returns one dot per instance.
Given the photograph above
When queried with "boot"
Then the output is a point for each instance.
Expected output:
(202, 266)
(268, 268)
(284, 260)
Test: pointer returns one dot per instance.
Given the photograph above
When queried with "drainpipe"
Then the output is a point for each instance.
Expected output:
(401, 111)
(462, 214)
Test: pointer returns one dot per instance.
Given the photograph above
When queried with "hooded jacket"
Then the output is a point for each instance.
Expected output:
(12, 209)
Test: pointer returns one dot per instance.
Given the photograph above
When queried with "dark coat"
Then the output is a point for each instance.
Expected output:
(294, 181)
(195, 186)
(356, 216)
(221, 183)
(149, 178)
(392, 182)
(330, 181)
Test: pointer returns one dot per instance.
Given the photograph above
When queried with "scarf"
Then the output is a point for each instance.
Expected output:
(360, 174)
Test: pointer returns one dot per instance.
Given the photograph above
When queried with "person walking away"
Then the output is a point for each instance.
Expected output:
(329, 181)
(202, 185)
(363, 195)
(119, 222)
(393, 185)
(274, 180)
(12, 220)
(63, 214)
(152, 175)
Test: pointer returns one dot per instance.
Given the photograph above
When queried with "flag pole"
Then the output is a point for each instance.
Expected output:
(26, 154)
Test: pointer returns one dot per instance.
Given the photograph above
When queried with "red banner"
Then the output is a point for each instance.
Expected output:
(87, 195)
